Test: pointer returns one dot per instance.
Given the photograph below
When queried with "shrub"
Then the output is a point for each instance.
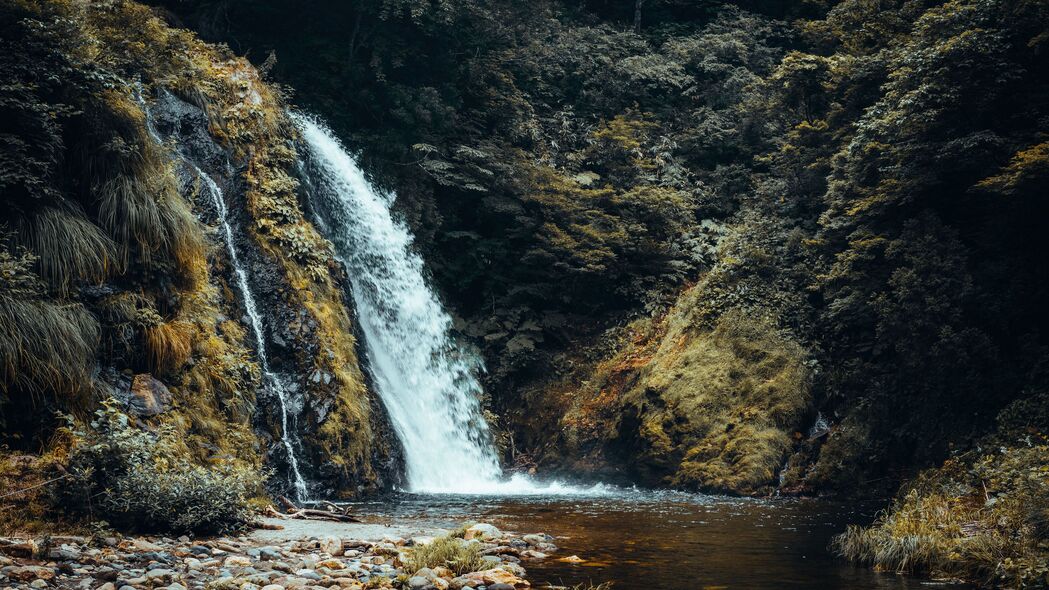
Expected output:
(460, 556)
(139, 480)
(979, 517)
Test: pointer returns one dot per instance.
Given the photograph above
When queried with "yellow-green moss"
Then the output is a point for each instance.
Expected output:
(715, 408)
(247, 116)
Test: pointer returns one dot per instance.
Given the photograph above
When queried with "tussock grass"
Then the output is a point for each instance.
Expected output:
(135, 191)
(69, 248)
(169, 345)
(447, 551)
(46, 346)
(979, 518)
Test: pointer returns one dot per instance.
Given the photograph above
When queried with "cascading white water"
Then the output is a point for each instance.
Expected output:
(243, 286)
(427, 382)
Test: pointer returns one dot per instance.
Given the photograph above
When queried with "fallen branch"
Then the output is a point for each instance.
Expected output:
(310, 514)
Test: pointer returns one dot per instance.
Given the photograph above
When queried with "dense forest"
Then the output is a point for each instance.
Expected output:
(744, 248)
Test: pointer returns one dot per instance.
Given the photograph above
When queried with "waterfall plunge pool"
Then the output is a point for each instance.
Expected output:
(663, 540)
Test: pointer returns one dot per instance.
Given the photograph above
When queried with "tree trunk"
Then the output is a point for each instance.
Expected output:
(637, 15)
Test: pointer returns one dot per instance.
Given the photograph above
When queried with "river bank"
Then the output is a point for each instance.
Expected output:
(283, 555)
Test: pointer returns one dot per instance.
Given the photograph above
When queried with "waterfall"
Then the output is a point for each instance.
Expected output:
(270, 378)
(427, 382)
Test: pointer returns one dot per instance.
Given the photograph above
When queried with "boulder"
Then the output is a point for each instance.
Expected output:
(483, 532)
(148, 396)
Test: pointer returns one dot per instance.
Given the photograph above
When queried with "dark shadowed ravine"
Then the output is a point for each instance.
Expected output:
(665, 540)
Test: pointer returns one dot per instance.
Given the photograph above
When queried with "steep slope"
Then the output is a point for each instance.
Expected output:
(118, 281)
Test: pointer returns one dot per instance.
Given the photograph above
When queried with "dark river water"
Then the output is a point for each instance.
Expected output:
(667, 540)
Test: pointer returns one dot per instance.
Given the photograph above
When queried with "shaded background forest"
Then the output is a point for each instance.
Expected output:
(799, 210)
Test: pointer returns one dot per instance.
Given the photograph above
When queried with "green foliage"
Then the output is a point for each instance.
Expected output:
(864, 180)
(462, 557)
(139, 480)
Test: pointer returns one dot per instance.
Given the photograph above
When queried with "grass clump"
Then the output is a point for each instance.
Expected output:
(141, 481)
(70, 248)
(982, 516)
(462, 557)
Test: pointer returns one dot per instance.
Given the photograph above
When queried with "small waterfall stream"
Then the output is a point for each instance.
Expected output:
(274, 381)
(270, 379)
(426, 380)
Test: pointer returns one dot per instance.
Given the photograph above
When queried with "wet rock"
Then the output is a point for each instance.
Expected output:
(483, 532)
(536, 540)
(107, 574)
(418, 582)
(237, 561)
(495, 576)
(31, 572)
(269, 554)
(331, 545)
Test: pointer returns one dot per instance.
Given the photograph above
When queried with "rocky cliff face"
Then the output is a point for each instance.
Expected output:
(118, 280)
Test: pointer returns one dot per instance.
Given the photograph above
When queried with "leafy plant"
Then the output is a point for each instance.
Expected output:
(140, 480)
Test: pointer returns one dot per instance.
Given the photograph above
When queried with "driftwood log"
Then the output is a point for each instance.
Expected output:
(333, 512)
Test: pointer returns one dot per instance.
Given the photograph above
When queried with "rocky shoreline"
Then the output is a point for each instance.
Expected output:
(269, 560)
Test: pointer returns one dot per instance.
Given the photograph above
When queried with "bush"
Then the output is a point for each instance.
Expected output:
(140, 480)
(462, 557)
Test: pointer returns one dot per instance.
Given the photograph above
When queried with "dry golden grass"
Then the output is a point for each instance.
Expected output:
(446, 551)
(168, 345)
(983, 519)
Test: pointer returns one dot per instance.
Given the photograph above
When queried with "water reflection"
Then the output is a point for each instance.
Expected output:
(668, 540)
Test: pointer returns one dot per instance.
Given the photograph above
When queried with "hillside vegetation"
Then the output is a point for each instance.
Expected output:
(851, 187)
(117, 288)
(736, 247)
